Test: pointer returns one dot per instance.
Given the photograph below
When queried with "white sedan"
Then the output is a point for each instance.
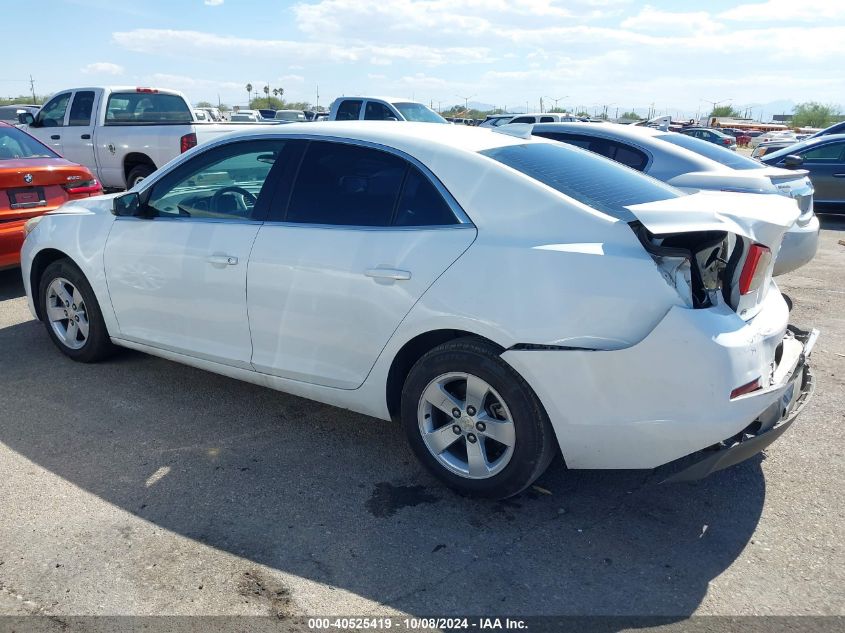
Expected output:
(502, 298)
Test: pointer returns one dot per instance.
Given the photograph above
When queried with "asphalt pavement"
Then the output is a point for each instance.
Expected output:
(139, 486)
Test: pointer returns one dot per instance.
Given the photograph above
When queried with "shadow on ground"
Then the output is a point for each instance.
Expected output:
(337, 497)
(11, 284)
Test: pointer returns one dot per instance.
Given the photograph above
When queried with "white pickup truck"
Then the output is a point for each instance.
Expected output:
(121, 134)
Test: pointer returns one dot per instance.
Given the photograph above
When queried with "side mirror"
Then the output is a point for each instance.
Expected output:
(792, 161)
(26, 118)
(127, 205)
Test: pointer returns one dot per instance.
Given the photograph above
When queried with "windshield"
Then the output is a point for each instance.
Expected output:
(16, 144)
(726, 157)
(596, 181)
(418, 112)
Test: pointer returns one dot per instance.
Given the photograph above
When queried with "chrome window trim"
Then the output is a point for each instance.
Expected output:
(460, 215)
(168, 218)
(365, 227)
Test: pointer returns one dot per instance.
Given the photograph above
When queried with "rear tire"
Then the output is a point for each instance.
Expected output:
(474, 422)
(137, 174)
(71, 313)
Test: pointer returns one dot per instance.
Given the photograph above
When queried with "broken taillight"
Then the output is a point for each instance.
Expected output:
(754, 270)
(748, 387)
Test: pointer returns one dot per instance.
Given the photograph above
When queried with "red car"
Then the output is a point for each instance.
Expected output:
(33, 180)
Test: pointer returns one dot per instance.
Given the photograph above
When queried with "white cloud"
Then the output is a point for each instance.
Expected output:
(294, 79)
(213, 3)
(102, 68)
(787, 11)
(192, 43)
(652, 19)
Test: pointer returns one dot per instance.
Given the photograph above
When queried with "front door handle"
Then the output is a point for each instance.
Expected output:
(222, 260)
(388, 273)
(55, 137)
(85, 137)
(839, 175)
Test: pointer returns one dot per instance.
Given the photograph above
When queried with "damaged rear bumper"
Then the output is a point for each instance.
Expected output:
(767, 428)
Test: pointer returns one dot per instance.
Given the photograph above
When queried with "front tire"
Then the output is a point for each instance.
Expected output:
(474, 422)
(71, 313)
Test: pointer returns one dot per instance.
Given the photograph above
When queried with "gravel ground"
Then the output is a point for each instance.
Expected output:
(139, 486)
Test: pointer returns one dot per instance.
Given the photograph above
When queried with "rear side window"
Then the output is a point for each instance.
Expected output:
(80, 109)
(421, 203)
(376, 111)
(584, 142)
(712, 151)
(586, 177)
(523, 119)
(547, 119)
(627, 155)
(341, 184)
(140, 108)
(348, 110)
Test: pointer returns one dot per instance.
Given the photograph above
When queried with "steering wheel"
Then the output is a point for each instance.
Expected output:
(217, 198)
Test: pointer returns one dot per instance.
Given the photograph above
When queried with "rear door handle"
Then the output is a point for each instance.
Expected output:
(85, 137)
(55, 137)
(222, 260)
(388, 273)
(839, 175)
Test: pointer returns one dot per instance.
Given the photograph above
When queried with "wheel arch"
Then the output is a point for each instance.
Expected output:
(42, 259)
(414, 349)
(133, 160)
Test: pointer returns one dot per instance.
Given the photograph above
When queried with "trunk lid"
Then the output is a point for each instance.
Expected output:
(700, 243)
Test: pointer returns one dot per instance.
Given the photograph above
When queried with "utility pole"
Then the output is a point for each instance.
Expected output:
(466, 101)
(317, 105)
(32, 88)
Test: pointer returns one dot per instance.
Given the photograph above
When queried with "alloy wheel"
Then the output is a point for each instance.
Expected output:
(466, 425)
(67, 313)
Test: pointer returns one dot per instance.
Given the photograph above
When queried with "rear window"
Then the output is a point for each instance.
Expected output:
(139, 108)
(726, 157)
(16, 144)
(596, 181)
(418, 112)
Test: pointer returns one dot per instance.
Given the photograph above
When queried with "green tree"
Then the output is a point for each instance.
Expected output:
(27, 99)
(270, 103)
(631, 115)
(223, 107)
(725, 111)
(814, 114)
(249, 93)
(583, 114)
(204, 104)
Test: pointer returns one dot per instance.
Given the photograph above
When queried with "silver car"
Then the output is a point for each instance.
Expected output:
(692, 165)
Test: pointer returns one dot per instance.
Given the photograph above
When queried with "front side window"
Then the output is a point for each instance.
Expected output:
(53, 114)
(586, 177)
(523, 119)
(830, 153)
(81, 108)
(17, 144)
(223, 183)
(547, 119)
(140, 108)
(342, 184)
(376, 111)
(349, 110)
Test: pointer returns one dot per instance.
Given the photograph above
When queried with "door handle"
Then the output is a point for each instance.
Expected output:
(85, 137)
(222, 260)
(839, 175)
(388, 273)
(55, 137)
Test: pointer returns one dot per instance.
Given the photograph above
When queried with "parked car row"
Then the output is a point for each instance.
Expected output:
(503, 296)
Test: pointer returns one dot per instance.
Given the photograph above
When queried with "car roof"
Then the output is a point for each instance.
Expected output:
(409, 137)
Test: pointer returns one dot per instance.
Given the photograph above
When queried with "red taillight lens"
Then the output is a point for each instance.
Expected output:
(754, 270)
(726, 141)
(187, 142)
(83, 187)
(754, 385)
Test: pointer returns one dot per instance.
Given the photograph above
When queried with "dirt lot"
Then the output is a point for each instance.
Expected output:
(139, 486)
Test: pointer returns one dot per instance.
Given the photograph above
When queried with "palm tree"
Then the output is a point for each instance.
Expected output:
(248, 94)
(267, 92)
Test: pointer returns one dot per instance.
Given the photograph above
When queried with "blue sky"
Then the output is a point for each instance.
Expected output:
(590, 53)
